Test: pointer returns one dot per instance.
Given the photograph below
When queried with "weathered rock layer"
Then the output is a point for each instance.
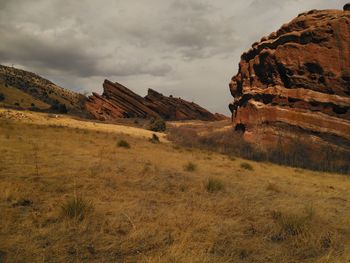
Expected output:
(297, 77)
(118, 101)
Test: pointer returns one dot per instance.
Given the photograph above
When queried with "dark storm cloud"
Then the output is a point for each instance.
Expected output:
(65, 38)
(189, 48)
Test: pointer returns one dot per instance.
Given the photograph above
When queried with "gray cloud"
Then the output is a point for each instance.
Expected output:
(189, 48)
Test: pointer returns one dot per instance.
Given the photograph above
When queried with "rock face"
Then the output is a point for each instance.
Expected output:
(297, 79)
(118, 101)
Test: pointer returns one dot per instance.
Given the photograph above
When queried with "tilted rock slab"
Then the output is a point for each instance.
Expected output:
(117, 101)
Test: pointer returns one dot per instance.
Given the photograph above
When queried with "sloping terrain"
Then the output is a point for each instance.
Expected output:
(72, 192)
(296, 83)
(117, 101)
(43, 90)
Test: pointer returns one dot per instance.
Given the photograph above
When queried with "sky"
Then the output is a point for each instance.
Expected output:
(185, 48)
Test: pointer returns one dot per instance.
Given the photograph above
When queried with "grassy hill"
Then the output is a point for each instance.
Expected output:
(40, 89)
(75, 191)
(12, 97)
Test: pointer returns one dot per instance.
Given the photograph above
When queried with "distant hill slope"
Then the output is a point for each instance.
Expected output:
(28, 90)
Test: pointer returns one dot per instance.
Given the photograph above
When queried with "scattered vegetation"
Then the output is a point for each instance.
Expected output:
(214, 185)
(146, 208)
(247, 166)
(123, 144)
(157, 125)
(297, 153)
(190, 167)
(76, 208)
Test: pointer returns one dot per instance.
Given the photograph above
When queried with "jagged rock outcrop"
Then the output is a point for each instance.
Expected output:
(297, 79)
(118, 101)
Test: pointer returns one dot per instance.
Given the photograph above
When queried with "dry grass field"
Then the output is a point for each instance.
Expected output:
(74, 191)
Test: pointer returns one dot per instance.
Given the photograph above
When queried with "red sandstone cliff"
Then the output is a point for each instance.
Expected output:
(297, 79)
(118, 101)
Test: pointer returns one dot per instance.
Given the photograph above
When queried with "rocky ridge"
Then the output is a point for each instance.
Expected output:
(117, 101)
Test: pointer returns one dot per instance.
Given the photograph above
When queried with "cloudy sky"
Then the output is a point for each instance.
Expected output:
(187, 48)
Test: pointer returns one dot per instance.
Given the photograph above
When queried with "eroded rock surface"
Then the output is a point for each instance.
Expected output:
(297, 78)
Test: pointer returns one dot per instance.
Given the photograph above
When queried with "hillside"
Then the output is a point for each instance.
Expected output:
(71, 194)
(42, 91)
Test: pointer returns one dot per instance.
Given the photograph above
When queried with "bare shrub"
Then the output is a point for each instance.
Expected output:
(157, 125)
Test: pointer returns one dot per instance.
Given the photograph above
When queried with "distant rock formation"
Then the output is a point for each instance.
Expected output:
(117, 101)
(297, 80)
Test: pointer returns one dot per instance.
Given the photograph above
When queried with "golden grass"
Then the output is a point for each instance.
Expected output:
(148, 209)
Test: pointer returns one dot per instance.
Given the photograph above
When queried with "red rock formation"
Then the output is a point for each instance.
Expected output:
(297, 77)
(118, 101)
(171, 108)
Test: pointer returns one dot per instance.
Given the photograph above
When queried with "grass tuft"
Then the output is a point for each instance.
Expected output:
(247, 166)
(190, 167)
(123, 144)
(273, 188)
(296, 223)
(214, 185)
(76, 208)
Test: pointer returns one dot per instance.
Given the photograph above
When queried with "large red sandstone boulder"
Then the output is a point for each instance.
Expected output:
(297, 81)
(346, 7)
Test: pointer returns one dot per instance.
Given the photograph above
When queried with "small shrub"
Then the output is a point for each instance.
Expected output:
(190, 167)
(232, 157)
(247, 166)
(157, 125)
(2, 97)
(154, 139)
(214, 185)
(123, 144)
(76, 208)
(60, 108)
